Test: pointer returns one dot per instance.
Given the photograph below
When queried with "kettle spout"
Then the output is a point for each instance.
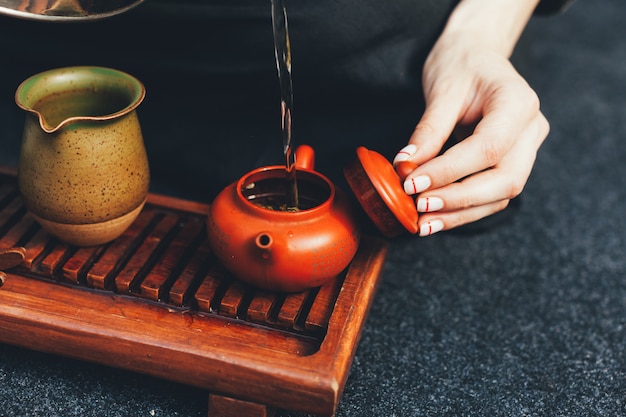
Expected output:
(264, 242)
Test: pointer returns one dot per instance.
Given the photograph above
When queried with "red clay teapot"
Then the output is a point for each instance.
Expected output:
(280, 250)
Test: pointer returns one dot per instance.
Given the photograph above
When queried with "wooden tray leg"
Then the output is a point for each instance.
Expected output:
(220, 406)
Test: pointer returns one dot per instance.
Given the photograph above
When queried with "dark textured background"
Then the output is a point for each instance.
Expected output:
(527, 318)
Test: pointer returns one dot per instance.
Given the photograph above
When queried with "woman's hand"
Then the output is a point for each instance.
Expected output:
(473, 91)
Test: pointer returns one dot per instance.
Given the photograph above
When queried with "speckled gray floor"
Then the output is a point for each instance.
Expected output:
(524, 319)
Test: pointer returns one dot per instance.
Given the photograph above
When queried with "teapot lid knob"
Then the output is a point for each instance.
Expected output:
(378, 188)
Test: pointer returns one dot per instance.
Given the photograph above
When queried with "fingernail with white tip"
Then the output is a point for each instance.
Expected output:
(417, 184)
(428, 204)
(405, 153)
(431, 227)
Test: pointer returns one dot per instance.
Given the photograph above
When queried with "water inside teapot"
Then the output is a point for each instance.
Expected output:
(274, 194)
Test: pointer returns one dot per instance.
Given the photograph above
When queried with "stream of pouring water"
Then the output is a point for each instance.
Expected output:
(282, 53)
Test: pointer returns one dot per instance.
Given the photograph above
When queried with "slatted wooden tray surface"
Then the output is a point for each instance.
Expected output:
(163, 263)
(164, 257)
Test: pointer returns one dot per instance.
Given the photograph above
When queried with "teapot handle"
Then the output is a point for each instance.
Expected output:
(305, 157)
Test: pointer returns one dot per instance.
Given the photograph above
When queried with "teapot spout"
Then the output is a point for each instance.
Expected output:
(264, 242)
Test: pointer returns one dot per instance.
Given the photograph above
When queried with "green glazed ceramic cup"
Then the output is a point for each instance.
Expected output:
(83, 170)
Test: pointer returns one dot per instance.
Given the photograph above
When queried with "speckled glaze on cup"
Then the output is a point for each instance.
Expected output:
(83, 170)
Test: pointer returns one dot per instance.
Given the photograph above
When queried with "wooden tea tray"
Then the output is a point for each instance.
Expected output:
(155, 301)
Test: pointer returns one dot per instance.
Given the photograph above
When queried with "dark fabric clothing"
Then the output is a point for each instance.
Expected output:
(377, 46)
(547, 7)
(212, 106)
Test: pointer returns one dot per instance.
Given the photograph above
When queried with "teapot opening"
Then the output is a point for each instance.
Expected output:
(271, 192)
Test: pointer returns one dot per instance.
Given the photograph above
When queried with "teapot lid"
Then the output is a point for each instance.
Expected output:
(378, 189)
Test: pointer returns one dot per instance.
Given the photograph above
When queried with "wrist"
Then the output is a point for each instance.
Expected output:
(495, 24)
